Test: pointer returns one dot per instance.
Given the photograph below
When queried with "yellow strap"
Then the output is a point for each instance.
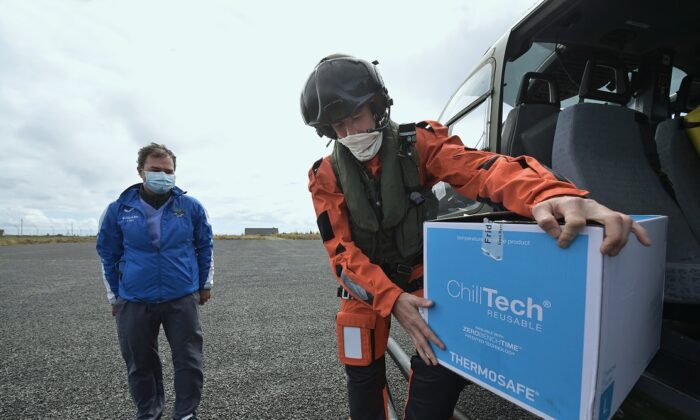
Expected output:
(694, 133)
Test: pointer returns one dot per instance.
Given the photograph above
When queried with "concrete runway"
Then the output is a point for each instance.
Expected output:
(269, 336)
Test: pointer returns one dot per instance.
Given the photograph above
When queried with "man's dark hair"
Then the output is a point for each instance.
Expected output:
(155, 150)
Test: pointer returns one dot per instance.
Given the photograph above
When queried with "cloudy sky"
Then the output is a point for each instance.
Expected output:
(84, 84)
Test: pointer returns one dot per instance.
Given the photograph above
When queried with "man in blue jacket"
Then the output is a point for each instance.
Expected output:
(156, 247)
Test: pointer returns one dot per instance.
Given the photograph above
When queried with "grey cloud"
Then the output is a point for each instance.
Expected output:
(11, 182)
(127, 110)
(435, 74)
(41, 134)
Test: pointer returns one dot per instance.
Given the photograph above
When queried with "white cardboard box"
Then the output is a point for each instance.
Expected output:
(563, 333)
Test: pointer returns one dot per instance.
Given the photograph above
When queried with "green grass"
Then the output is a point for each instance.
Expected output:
(8, 240)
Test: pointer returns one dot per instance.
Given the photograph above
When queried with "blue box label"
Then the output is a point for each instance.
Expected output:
(514, 324)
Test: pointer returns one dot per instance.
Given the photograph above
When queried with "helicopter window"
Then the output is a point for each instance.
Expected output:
(474, 89)
(472, 127)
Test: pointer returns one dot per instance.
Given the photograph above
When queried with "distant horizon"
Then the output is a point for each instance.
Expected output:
(5, 233)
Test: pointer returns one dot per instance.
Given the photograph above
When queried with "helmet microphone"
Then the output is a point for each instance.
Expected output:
(384, 122)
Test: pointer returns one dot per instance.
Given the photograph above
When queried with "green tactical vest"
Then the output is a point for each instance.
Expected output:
(387, 214)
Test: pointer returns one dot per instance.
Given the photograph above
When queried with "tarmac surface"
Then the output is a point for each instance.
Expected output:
(269, 337)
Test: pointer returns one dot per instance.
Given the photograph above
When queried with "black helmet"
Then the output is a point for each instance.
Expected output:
(338, 88)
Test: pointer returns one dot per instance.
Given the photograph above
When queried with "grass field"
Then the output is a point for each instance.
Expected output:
(7, 240)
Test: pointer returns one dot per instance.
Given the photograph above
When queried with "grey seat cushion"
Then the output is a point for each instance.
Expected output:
(599, 148)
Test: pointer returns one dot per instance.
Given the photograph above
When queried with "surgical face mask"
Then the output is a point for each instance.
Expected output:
(159, 182)
(364, 146)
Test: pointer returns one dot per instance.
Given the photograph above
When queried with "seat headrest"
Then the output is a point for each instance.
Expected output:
(536, 96)
(688, 95)
(594, 78)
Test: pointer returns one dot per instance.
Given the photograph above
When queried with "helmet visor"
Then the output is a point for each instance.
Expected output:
(343, 87)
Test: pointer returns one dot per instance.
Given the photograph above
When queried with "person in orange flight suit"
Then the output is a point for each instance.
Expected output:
(366, 197)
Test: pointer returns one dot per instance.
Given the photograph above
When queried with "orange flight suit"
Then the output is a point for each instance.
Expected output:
(518, 183)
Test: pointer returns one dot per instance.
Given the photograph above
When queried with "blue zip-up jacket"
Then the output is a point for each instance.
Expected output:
(135, 270)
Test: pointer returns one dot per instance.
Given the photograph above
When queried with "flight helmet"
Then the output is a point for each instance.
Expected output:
(338, 87)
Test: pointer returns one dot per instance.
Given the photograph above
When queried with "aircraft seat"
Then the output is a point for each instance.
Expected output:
(600, 147)
(677, 155)
(529, 127)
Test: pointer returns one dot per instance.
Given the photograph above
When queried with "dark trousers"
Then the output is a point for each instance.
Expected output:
(366, 394)
(433, 391)
(138, 325)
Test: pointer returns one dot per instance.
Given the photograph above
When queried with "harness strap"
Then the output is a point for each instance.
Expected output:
(408, 132)
(688, 125)
(411, 287)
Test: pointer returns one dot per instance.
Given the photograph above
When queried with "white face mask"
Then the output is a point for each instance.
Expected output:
(364, 146)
